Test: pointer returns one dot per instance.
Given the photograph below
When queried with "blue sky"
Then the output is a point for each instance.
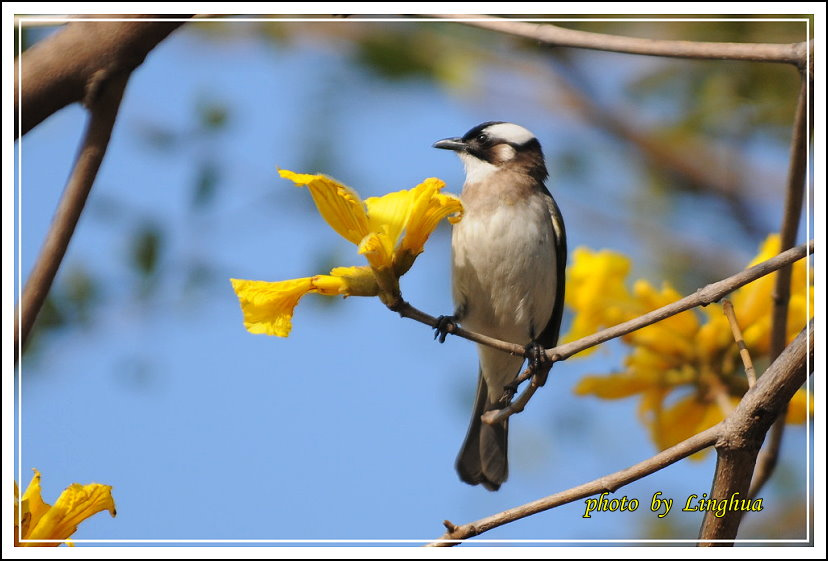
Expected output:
(348, 429)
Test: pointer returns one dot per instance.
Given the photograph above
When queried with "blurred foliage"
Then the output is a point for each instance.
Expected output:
(145, 246)
(207, 179)
(75, 295)
(212, 116)
(395, 55)
(673, 104)
(695, 102)
(72, 302)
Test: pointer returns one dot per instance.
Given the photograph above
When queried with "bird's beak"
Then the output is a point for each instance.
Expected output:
(455, 144)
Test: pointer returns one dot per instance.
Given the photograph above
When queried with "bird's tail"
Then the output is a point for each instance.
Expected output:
(483, 457)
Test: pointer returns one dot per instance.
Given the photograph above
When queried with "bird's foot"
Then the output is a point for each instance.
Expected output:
(445, 325)
(538, 362)
(509, 391)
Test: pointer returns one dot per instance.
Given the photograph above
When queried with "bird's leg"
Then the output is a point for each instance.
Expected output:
(445, 325)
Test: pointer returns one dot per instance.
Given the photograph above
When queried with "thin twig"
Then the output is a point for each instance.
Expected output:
(608, 483)
(694, 161)
(720, 394)
(794, 195)
(406, 310)
(702, 297)
(104, 110)
(497, 416)
(750, 372)
(749, 421)
(550, 34)
(768, 455)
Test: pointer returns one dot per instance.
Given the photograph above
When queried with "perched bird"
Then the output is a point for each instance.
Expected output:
(508, 264)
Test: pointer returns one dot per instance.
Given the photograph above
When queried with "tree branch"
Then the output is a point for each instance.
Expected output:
(768, 455)
(744, 431)
(104, 110)
(751, 418)
(702, 297)
(89, 62)
(72, 64)
(609, 483)
(747, 362)
(793, 53)
(693, 162)
(794, 194)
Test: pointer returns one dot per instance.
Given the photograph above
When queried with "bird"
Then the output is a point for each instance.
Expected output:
(508, 276)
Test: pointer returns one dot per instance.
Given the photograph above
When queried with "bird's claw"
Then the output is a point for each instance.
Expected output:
(538, 361)
(445, 325)
(509, 391)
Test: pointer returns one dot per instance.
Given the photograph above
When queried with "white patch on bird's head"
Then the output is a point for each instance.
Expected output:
(503, 152)
(477, 170)
(510, 132)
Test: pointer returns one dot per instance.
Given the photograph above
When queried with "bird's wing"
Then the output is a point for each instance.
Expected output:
(549, 336)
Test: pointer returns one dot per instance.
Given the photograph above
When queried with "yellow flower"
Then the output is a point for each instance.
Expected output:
(39, 521)
(596, 292)
(390, 231)
(686, 368)
(268, 306)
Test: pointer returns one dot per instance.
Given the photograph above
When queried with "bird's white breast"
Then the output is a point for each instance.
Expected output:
(504, 268)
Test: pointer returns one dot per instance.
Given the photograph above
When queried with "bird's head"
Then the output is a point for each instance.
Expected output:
(496, 145)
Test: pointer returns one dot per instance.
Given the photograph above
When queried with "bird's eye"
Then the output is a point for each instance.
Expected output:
(482, 138)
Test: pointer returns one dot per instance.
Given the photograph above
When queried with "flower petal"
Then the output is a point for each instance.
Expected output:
(612, 386)
(76, 504)
(416, 213)
(428, 209)
(338, 204)
(377, 250)
(268, 306)
(680, 421)
(595, 291)
(388, 215)
(800, 407)
(32, 502)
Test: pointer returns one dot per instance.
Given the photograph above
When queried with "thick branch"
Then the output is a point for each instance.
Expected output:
(104, 110)
(72, 64)
(793, 53)
(744, 431)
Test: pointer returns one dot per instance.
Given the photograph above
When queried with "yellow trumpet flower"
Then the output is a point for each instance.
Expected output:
(39, 521)
(686, 369)
(390, 231)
